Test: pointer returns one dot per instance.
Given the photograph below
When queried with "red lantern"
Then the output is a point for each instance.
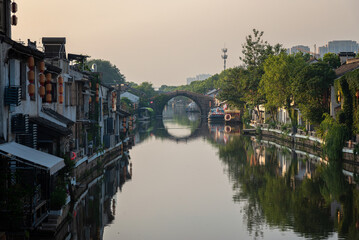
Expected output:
(42, 79)
(42, 66)
(61, 89)
(31, 89)
(61, 99)
(13, 20)
(48, 88)
(31, 76)
(357, 94)
(42, 91)
(48, 77)
(31, 62)
(48, 98)
(60, 80)
(13, 7)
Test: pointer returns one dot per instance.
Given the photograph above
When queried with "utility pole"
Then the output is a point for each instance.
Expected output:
(224, 56)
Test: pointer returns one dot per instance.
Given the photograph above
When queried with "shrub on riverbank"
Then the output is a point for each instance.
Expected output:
(334, 136)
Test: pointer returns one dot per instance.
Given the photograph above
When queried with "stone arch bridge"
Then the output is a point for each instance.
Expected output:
(200, 132)
(204, 102)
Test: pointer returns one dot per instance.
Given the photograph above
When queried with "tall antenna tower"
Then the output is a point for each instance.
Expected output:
(224, 56)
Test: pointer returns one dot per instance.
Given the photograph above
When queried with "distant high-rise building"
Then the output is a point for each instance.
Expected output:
(299, 48)
(199, 77)
(339, 46)
(323, 50)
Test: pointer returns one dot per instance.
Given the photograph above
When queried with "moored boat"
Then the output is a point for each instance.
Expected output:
(216, 114)
(232, 116)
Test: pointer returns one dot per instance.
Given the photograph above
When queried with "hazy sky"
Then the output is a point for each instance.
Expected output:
(166, 41)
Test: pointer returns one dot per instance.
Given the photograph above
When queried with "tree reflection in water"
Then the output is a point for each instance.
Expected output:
(282, 190)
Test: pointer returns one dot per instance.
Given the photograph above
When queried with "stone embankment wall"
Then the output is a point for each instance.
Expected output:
(93, 167)
(309, 143)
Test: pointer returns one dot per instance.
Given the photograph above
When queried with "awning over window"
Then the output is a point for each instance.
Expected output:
(54, 127)
(32, 156)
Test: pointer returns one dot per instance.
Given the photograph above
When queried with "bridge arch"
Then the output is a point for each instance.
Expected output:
(200, 131)
(204, 102)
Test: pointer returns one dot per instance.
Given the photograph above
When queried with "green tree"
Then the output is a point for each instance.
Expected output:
(165, 88)
(332, 60)
(147, 91)
(311, 90)
(110, 73)
(146, 88)
(231, 87)
(255, 52)
(280, 72)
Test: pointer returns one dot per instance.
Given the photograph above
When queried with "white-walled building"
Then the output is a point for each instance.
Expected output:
(132, 97)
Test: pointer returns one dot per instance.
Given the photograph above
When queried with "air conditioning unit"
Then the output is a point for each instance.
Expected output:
(12, 95)
(20, 123)
(28, 139)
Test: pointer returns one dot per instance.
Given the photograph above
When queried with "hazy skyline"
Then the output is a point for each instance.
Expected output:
(166, 41)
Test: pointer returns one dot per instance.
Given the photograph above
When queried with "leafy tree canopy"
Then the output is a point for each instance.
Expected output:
(110, 73)
(279, 76)
(311, 90)
(332, 60)
(230, 81)
(147, 91)
(256, 50)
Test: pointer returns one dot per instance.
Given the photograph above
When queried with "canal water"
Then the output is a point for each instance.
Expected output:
(193, 180)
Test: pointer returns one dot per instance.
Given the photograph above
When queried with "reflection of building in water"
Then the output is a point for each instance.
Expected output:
(260, 152)
(258, 158)
(217, 132)
(222, 133)
(304, 163)
(96, 207)
(284, 161)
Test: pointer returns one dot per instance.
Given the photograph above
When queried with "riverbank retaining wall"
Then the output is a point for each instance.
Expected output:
(309, 144)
